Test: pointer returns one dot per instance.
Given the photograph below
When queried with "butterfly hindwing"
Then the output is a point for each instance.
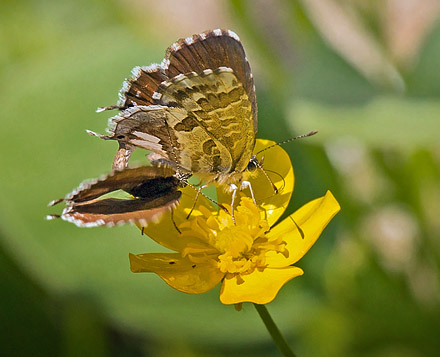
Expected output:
(218, 133)
(147, 127)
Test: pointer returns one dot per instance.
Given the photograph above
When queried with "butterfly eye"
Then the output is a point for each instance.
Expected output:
(253, 164)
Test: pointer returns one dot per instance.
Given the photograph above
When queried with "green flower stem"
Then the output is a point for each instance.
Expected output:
(274, 331)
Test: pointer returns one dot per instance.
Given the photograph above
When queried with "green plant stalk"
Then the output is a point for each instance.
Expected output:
(274, 331)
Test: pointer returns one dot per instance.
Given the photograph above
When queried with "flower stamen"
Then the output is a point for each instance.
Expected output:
(241, 246)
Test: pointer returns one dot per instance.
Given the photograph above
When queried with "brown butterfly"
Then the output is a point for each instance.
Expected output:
(154, 190)
(196, 111)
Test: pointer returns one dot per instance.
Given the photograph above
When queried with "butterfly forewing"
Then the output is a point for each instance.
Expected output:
(211, 50)
(113, 211)
(139, 89)
(155, 191)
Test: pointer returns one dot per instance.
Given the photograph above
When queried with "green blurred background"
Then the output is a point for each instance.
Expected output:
(365, 74)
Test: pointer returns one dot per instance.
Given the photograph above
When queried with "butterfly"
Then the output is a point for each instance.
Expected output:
(196, 111)
(154, 191)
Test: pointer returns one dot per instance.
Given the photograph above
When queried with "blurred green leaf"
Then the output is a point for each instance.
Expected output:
(424, 79)
(29, 324)
(384, 123)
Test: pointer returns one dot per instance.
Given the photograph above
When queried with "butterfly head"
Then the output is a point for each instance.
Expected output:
(254, 164)
(234, 179)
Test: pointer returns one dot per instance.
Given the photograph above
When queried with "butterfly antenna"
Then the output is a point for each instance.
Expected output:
(195, 200)
(279, 190)
(313, 132)
(275, 189)
(280, 176)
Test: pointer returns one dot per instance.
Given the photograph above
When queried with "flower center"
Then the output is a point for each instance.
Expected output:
(238, 253)
(241, 247)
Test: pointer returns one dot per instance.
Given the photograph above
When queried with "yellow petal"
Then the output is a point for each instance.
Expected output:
(278, 167)
(180, 273)
(165, 232)
(312, 218)
(259, 287)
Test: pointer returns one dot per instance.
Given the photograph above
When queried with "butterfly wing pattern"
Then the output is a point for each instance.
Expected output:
(197, 109)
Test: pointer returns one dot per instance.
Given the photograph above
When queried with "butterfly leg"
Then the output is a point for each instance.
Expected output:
(234, 189)
(174, 222)
(195, 199)
(245, 184)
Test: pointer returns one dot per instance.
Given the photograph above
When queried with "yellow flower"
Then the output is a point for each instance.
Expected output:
(251, 259)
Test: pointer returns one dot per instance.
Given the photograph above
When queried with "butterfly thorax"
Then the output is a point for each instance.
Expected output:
(226, 180)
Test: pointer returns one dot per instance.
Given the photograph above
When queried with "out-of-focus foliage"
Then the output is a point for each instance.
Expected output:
(364, 74)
